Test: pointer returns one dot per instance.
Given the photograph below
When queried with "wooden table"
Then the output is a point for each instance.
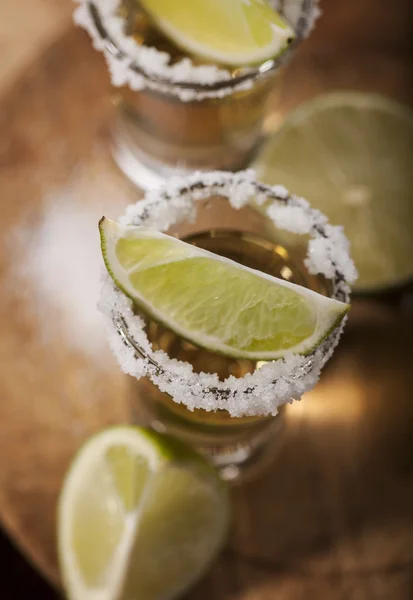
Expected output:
(333, 516)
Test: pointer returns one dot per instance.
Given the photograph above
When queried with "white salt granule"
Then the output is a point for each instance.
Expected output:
(61, 265)
(276, 382)
(140, 66)
(60, 262)
(331, 253)
(290, 218)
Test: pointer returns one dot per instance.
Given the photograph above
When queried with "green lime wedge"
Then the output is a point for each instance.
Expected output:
(140, 516)
(232, 32)
(350, 154)
(212, 301)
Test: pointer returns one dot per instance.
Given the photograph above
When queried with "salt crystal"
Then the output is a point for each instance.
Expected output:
(260, 198)
(329, 254)
(59, 264)
(280, 191)
(290, 218)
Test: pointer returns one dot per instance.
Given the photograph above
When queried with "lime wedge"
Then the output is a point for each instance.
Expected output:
(140, 516)
(350, 154)
(232, 32)
(212, 301)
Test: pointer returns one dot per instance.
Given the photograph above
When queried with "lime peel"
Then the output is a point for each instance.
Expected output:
(107, 552)
(349, 154)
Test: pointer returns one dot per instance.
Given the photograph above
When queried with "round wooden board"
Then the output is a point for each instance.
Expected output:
(332, 517)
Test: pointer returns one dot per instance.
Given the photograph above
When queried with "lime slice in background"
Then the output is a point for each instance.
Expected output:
(232, 32)
(350, 155)
(212, 301)
(140, 516)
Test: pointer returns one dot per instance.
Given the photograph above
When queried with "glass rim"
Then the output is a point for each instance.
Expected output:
(303, 373)
(249, 75)
(221, 391)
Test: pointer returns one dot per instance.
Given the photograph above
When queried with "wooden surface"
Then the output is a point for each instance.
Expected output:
(332, 518)
(27, 28)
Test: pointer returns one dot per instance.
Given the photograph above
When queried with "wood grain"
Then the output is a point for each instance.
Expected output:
(332, 517)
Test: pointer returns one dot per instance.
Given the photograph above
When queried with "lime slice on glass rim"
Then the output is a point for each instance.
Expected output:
(140, 516)
(212, 301)
(232, 32)
(350, 154)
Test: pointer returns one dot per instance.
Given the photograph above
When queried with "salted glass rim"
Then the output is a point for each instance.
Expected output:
(276, 382)
(245, 78)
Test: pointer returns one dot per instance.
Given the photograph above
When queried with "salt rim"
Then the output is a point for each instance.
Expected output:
(276, 382)
(140, 66)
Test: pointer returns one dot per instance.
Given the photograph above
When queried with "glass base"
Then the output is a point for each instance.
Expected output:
(239, 448)
(147, 172)
(242, 461)
(138, 167)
